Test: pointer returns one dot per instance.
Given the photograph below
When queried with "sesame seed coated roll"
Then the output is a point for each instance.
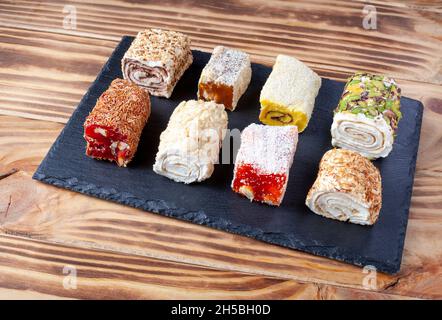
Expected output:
(348, 188)
(113, 128)
(156, 60)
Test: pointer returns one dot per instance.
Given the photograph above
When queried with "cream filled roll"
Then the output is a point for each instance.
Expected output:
(189, 147)
(368, 114)
(348, 188)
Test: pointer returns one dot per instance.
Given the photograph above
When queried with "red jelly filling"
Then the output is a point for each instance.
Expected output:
(104, 143)
(265, 187)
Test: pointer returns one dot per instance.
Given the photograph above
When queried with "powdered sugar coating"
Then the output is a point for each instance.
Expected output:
(225, 66)
(228, 67)
(270, 149)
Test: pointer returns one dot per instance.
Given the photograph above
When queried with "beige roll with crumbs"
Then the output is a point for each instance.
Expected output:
(348, 188)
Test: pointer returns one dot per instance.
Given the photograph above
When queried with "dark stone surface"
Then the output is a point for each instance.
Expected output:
(213, 204)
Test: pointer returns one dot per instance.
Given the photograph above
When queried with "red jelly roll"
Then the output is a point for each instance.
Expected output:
(263, 162)
(113, 128)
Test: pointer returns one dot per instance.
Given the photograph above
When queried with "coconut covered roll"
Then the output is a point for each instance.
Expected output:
(263, 162)
(189, 147)
(289, 94)
(156, 60)
(113, 128)
(367, 117)
(347, 188)
(225, 77)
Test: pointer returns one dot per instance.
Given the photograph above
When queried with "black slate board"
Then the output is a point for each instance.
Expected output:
(212, 203)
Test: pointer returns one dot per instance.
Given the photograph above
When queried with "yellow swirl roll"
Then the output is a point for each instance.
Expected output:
(289, 94)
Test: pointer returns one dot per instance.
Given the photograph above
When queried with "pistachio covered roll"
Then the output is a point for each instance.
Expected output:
(348, 188)
(289, 94)
(367, 117)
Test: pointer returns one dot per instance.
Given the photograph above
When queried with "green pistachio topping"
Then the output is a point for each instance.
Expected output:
(372, 95)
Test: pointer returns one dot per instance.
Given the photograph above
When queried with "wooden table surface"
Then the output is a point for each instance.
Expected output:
(48, 234)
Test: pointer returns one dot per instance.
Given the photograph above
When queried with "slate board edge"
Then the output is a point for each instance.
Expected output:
(160, 207)
(413, 162)
(199, 217)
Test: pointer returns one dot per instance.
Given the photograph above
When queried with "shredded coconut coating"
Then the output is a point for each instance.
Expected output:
(288, 96)
(228, 67)
(269, 150)
(348, 188)
(125, 108)
(157, 59)
(189, 147)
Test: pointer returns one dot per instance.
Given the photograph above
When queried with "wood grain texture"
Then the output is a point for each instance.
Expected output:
(327, 36)
(104, 275)
(31, 269)
(49, 83)
(45, 70)
(48, 73)
(34, 210)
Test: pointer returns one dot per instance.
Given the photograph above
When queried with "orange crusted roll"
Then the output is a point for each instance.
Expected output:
(113, 128)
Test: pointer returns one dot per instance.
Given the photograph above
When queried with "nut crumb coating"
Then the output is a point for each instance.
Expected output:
(348, 188)
(119, 115)
(156, 60)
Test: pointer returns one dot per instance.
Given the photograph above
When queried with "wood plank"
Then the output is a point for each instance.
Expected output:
(31, 269)
(327, 35)
(27, 265)
(49, 73)
(31, 209)
(303, 25)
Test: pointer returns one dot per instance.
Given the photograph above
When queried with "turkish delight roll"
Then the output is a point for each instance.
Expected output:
(156, 60)
(347, 188)
(189, 147)
(367, 117)
(225, 77)
(263, 162)
(113, 128)
(289, 94)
